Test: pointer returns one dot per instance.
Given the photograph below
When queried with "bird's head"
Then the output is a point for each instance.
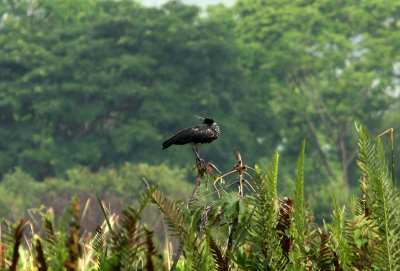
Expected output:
(208, 121)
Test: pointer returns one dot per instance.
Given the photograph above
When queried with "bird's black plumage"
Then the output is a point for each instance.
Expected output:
(195, 135)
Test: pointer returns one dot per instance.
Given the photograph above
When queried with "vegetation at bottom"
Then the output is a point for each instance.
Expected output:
(240, 224)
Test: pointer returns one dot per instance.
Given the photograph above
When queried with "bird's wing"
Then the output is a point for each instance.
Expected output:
(195, 134)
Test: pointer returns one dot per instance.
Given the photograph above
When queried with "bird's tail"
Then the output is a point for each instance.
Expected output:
(168, 142)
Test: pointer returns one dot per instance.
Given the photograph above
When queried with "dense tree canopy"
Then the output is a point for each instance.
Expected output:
(95, 83)
(106, 84)
(326, 64)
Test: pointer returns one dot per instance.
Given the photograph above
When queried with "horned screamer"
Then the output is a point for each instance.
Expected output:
(195, 135)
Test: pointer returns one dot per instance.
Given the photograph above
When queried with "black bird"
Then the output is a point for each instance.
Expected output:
(195, 135)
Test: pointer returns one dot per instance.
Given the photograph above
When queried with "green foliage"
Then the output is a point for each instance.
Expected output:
(281, 239)
(183, 227)
(254, 231)
(99, 83)
(381, 198)
(96, 83)
(18, 234)
(339, 242)
(116, 184)
(127, 246)
(299, 202)
(20, 194)
(262, 232)
(130, 244)
(87, 85)
(318, 66)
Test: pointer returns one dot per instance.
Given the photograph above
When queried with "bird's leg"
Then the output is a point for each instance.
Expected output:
(199, 160)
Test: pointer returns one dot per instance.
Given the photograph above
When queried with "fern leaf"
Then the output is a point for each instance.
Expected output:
(362, 238)
(74, 248)
(42, 266)
(219, 259)
(98, 244)
(341, 247)
(272, 176)
(326, 256)
(381, 197)
(56, 242)
(263, 229)
(126, 241)
(151, 250)
(299, 202)
(106, 217)
(283, 225)
(19, 232)
(174, 216)
(48, 225)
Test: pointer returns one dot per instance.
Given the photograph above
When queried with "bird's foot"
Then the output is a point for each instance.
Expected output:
(200, 162)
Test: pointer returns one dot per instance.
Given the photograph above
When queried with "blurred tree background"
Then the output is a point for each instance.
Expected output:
(88, 86)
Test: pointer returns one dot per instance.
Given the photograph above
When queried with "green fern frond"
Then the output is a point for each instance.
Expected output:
(304, 232)
(106, 216)
(174, 216)
(144, 201)
(361, 235)
(356, 208)
(190, 241)
(219, 259)
(18, 235)
(48, 225)
(40, 259)
(55, 244)
(150, 251)
(72, 243)
(325, 253)
(381, 198)
(196, 251)
(266, 184)
(340, 244)
(298, 254)
(299, 202)
(262, 230)
(272, 177)
(98, 245)
(283, 226)
(128, 240)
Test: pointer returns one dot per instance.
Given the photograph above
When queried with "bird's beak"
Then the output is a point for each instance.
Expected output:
(199, 117)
